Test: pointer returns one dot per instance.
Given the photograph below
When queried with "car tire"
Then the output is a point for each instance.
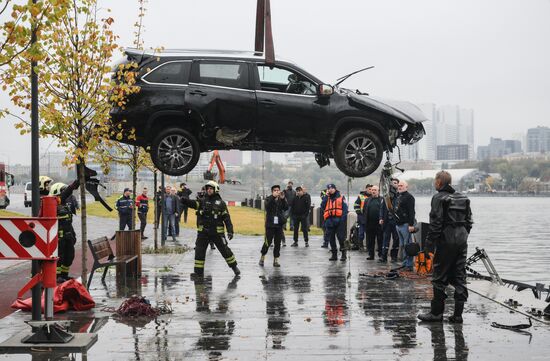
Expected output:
(358, 152)
(175, 151)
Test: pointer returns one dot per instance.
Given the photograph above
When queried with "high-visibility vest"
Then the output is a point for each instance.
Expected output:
(334, 207)
(363, 199)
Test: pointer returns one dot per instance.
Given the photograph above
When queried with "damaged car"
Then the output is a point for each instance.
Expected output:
(196, 101)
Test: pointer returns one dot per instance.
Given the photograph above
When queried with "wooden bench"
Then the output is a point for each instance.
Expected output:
(104, 257)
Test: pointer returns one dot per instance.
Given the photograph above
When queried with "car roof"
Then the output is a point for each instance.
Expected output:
(200, 53)
(214, 54)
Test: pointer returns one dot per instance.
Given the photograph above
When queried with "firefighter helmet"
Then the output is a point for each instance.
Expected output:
(45, 183)
(57, 188)
(213, 185)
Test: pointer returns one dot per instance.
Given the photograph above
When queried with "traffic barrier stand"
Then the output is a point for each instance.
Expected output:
(36, 239)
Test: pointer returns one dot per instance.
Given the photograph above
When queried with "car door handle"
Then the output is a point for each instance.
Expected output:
(268, 103)
(197, 92)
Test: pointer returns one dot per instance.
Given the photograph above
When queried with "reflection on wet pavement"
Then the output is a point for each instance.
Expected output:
(307, 310)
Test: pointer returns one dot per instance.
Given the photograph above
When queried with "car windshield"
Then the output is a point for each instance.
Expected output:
(28, 187)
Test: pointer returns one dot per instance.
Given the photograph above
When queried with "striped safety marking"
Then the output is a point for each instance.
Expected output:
(44, 229)
(234, 204)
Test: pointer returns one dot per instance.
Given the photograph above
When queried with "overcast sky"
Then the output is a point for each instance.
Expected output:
(489, 55)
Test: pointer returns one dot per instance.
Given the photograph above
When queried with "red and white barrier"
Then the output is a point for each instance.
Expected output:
(28, 238)
(233, 204)
(34, 238)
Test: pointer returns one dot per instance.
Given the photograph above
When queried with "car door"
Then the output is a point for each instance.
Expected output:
(221, 92)
(290, 116)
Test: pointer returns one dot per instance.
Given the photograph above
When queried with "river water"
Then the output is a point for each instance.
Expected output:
(515, 232)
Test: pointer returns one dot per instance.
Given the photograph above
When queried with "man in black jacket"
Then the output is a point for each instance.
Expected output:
(372, 223)
(299, 211)
(289, 194)
(450, 225)
(212, 217)
(184, 193)
(405, 213)
(387, 221)
(275, 206)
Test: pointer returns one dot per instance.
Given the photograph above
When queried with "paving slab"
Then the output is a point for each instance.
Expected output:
(309, 309)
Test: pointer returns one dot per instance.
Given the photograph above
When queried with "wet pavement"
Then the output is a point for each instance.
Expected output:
(309, 309)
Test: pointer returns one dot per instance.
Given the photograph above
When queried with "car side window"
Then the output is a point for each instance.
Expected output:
(176, 72)
(277, 79)
(227, 74)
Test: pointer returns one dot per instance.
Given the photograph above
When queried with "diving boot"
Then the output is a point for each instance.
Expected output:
(262, 259)
(236, 270)
(276, 263)
(435, 314)
(344, 255)
(457, 316)
(334, 256)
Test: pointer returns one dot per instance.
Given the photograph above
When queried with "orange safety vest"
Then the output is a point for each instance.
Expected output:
(333, 208)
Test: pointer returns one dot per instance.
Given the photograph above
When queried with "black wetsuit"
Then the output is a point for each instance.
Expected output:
(450, 225)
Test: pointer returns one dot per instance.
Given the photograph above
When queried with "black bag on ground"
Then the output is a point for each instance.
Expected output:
(412, 249)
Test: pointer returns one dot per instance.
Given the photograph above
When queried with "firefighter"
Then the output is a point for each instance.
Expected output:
(66, 233)
(212, 217)
(450, 225)
(45, 183)
(335, 212)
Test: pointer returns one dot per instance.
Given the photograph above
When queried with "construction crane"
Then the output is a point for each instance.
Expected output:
(217, 160)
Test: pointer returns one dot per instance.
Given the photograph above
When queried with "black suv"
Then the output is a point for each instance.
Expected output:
(195, 101)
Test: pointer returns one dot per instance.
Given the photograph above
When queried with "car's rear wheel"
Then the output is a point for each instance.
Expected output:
(175, 151)
(358, 152)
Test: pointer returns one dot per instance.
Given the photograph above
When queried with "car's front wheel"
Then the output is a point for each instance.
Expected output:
(358, 152)
(175, 151)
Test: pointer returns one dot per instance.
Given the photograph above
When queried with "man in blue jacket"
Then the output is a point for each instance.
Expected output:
(335, 213)
(124, 206)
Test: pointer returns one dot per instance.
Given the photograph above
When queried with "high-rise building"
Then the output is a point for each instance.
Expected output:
(455, 126)
(453, 152)
(538, 140)
(498, 148)
(425, 148)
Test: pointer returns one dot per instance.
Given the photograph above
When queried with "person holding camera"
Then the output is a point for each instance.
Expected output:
(405, 213)
(275, 206)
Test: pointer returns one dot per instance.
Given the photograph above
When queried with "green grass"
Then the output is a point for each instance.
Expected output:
(246, 221)
(4, 213)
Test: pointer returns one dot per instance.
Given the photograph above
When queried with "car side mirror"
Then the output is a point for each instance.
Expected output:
(325, 90)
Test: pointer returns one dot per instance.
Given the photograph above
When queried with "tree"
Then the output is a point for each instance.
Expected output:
(15, 34)
(130, 155)
(75, 89)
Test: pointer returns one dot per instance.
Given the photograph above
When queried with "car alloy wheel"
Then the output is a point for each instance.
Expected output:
(175, 151)
(360, 153)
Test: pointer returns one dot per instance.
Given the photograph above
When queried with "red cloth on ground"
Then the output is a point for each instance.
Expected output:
(66, 296)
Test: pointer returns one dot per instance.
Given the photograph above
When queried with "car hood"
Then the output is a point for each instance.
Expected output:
(401, 110)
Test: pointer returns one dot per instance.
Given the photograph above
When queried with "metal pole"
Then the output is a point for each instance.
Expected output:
(35, 173)
(155, 199)
(162, 226)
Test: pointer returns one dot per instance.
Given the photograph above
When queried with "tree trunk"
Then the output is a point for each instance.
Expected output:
(134, 183)
(83, 223)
